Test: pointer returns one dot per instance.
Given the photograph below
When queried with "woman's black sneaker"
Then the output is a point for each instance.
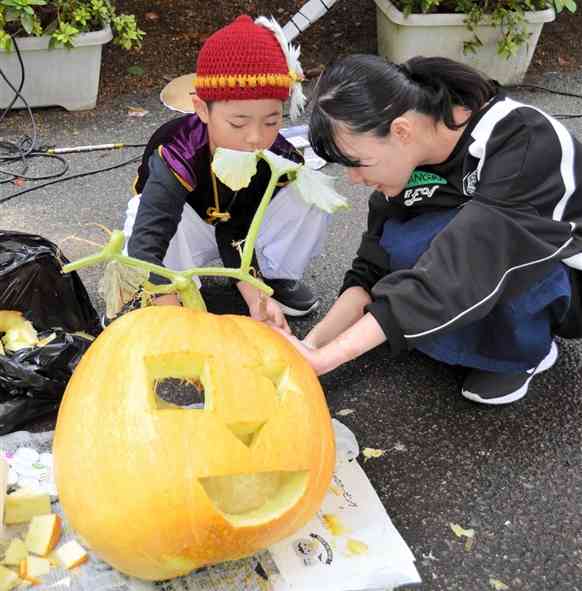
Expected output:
(489, 387)
(294, 297)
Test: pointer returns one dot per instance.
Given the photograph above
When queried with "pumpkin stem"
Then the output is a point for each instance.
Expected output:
(180, 281)
(249, 244)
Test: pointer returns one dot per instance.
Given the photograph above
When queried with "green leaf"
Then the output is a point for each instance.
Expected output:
(136, 70)
(570, 5)
(234, 168)
(5, 41)
(12, 15)
(278, 164)
(72, 17)
(27, 23)
(316, 188)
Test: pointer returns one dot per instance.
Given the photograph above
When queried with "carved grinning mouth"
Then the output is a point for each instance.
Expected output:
(258, 497)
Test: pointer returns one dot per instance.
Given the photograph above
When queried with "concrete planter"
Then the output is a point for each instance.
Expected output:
(402, 37)
(58, 76)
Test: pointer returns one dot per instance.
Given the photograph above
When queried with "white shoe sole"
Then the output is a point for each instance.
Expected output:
(297, 313)
(547, 362)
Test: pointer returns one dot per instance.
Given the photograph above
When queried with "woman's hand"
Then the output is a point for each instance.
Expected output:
(313, 356)
(359, 338)
(346, 311)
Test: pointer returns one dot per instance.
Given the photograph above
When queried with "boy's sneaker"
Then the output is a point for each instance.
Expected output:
(489, 387)
(134, 304)
(294, 297)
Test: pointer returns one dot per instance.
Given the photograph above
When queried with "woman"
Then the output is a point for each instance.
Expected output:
(473, 248)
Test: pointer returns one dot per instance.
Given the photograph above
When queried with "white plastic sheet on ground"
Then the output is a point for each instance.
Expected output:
(350, 545)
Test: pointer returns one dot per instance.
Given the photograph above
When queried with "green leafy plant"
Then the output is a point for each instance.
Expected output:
(508, 15)
(63, 20)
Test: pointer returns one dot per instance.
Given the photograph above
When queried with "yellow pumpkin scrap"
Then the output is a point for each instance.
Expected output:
(43, 534)
(8, 579)
(167, 489)
(356, 547)
(18, 332)
(36, 567)
(15, 552)
(22, 505)
(70, 554)
(370, 452)
(333, 524)
(460, 531)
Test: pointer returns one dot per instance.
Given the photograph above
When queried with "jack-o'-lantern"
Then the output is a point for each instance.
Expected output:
(158, 490)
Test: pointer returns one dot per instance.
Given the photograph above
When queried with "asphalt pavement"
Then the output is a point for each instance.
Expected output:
(513, 474)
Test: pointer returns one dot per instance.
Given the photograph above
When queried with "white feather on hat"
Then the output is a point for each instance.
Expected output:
(291, 52)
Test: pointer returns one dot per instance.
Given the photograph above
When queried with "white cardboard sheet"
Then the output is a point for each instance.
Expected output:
(350, 545)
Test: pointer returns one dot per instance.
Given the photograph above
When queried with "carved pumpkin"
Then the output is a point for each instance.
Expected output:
(158, 490)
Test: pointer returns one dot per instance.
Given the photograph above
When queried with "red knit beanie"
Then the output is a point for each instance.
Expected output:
(247, 60)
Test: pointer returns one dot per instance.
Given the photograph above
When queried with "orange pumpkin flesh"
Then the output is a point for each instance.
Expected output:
(158, 490)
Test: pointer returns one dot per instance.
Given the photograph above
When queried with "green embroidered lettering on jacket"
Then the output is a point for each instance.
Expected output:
(420, 178)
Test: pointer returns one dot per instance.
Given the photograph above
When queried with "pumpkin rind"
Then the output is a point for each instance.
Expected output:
(134, 475)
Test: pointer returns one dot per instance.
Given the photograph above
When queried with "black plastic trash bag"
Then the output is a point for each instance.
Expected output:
(31, 282)
(33, 379)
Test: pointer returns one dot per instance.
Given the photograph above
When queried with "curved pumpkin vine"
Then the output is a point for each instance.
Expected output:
(235, 169)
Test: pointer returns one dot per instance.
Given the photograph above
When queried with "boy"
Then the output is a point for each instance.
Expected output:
(184, 217)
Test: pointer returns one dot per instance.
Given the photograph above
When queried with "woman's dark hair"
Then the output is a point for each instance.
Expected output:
(366, 93)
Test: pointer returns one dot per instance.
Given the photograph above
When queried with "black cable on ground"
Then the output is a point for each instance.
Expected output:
(70, 177)
(26, 148)
(550, 91)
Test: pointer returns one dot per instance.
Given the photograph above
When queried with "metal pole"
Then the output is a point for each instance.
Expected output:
(306, 16)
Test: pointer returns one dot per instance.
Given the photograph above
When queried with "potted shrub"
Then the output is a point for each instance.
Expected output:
(497, 37)
(60, 44)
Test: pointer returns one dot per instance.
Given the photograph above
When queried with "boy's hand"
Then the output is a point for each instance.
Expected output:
(170, 299)
(267, 310)
(262, 307)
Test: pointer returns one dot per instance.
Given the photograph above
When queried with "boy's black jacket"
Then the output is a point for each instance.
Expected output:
(163, 197)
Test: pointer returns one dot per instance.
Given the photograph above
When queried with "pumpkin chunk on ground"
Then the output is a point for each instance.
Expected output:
(23, 505)
(43, 534)
(15, 552)
(71, 554)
